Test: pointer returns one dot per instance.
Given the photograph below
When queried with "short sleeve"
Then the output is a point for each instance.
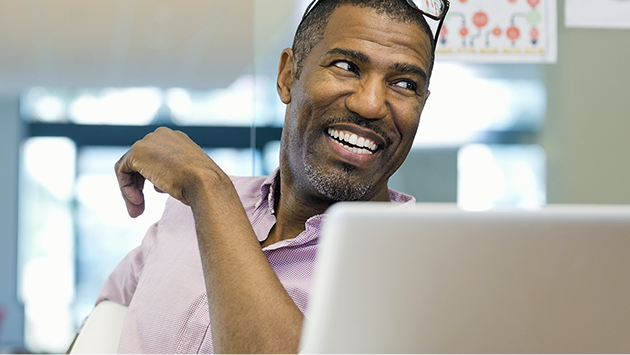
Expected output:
(121, 284)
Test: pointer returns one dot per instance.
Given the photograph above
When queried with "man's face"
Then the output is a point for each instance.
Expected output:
(354, 111)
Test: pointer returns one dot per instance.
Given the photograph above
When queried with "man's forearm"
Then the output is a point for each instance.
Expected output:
(250, 310)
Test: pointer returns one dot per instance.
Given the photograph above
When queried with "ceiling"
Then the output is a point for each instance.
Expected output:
(196, 44)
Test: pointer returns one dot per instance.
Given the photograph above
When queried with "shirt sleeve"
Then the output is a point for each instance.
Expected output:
(121, 284)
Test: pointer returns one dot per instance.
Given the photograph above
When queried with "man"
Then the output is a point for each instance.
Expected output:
(227, 268)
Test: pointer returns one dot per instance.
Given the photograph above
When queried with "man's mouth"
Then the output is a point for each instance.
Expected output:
(353, 142)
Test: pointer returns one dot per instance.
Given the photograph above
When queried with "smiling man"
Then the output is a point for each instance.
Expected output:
(228, 267)
(353, 114)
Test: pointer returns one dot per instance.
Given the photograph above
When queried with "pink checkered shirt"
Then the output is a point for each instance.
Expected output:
(162, 281)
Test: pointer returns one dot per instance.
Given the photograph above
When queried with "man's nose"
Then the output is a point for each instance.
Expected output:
(369, 99)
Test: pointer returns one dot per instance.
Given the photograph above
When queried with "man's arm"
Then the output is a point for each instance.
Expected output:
(250, 310)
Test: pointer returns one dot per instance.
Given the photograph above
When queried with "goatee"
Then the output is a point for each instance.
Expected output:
(336, 185)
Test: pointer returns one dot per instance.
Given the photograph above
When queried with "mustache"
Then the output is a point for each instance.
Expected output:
(360, 121)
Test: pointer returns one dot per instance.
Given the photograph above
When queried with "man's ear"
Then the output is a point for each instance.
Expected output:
(424, 101)
(286, 75)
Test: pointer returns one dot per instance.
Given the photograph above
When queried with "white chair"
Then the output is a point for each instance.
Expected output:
(101, 331)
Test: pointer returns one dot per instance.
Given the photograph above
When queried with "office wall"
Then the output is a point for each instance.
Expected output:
(429, 174)
(587, 130)
(11, 130)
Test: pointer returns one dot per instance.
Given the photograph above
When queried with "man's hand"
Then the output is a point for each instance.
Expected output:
(170, 160)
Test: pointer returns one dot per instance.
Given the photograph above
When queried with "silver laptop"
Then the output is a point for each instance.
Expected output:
(432, 279)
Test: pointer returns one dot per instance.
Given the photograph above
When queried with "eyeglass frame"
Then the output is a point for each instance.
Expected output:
(413, 6)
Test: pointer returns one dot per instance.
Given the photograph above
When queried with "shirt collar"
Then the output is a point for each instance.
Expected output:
(268, 189)
(313, 224)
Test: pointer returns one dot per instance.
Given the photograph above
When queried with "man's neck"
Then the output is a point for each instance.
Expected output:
(293, 207)
(292, 210)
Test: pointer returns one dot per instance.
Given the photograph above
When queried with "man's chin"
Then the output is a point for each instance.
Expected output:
(336, 186)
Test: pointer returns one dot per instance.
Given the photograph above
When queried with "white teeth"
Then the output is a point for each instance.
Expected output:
(365, 145)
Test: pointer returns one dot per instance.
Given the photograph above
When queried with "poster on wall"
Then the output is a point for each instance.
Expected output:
(507, 31)
(605, 14)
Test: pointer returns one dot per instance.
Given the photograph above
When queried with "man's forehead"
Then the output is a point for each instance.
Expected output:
(351, 22)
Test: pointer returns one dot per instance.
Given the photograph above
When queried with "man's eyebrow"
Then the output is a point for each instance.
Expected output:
(409, 68)
(361, 57)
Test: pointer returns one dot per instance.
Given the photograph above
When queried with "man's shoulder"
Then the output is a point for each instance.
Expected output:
(251, 189)
(248, 181)
(250, 186)
(247, 187)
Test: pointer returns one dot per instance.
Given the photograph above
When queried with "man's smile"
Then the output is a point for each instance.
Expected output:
(353, 142)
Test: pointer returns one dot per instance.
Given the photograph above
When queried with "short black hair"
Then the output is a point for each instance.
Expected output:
(311, 29)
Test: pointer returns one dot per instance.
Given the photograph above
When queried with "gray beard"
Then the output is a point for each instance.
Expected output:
(335, 186)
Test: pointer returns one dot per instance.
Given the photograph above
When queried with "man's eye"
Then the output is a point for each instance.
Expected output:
(407, 85)
(347, 66)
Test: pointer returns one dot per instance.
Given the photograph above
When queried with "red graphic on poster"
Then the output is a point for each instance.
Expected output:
(504, 27)
(513, 33)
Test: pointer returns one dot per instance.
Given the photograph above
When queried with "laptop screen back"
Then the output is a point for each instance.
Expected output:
(437, 280)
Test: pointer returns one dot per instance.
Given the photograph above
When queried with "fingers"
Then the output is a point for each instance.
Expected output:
(170, 160)
(132, 209)
(131, 184)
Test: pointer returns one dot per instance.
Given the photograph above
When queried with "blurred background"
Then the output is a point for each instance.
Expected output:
(80, 81)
